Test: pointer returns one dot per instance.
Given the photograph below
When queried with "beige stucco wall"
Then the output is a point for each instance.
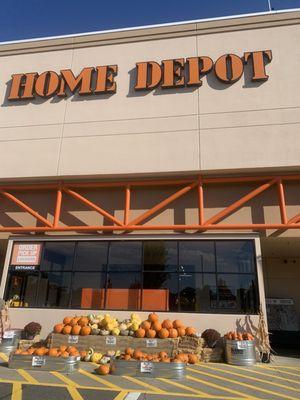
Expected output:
(216, 127)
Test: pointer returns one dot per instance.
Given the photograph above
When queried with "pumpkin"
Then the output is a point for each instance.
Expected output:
(145, 325)
(129, 351)
(193, 358)
(64, 354)
(24, 353)
(74, 321)
(173, 333)
(127, 357)
(83, 321)
(190, 331)
(137, 354)
(182, 357)
(40, 351)
(166, 359)
(18, 351)
(140, 333)
(70, 348)
(67, 320)
(76, 330)
(103, 369)
(151, 333)
(163, 354)
(181, 331)
(58, 328)
(63, 348)
(152, 317)
(82, 354)
(31, 350)
(67, 330)
(176, 360)
(85, 330)
(46, 351)
(177, 323)
(74, 353)
(53, 352)
(163, 333)
(167, 324)
(156, 326)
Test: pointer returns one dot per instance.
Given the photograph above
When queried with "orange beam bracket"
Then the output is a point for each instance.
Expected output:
(237, 204)
(127, 204)
(200, 201)
(26, 208)
(282, 205)
(162, 204)
(57, 208)
(93, 206)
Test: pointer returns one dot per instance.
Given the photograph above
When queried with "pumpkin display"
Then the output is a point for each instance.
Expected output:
(137, 354)
(190, 331)
(152, 317)
(163, 333)
(58, 328)
(156, 326)
(173, 333)
(74, 321)
(39, 352)
(140, 333)
(67, 330)
(53, 352)
(167, 324)
(83, 321)
(150, 333)
(85, 330)
(177, 323)
(145, 325)
(103, 369)
(129, 351)
(67, 320)
(76, 330)
(181, 331)
(233, 335)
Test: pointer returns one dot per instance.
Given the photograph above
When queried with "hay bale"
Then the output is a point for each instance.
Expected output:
(190, 345)
(212, 355)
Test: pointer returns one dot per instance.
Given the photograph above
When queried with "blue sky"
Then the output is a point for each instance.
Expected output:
(24, 19)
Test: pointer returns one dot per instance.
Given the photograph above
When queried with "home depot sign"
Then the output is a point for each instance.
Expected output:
(175, 73)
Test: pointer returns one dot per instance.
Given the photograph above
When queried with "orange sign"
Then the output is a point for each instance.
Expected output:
(174, 73)
(26, 254)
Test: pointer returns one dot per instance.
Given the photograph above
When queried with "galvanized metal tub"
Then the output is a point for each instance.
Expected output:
(10, 340)
(148, 369)
(240, 352)
(44, 363)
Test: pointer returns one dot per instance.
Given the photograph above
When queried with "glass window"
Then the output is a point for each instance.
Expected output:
(197, 256)
(190, 290)
(91, 256)
(160, 256)
(54, 289)
(58, 256)
(87, 290)
(125, 256)
(235, 256)
(164, 284)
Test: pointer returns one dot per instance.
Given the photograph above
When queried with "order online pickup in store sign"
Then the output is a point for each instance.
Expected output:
(173, 73)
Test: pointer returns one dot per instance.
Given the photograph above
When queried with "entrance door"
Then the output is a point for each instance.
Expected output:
(22, 288)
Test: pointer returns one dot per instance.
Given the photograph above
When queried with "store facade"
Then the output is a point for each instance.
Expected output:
(152, 169)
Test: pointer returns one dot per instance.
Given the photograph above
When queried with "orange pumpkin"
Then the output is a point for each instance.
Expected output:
(82, 354)
(163, 333)
(173, 333)
(53, 352)
(63, 348)
(127, 357)
(182, 357)
(83, 321)
(58, 328)
(67, 320)
(152, 317)
(167, 324)
(156, 326)
(140, 333)
(166, 359)
(145, 325)
(176, 360)
(129, 351)
(76, 330)
(18, 351)
(40, 351)
(177, 323)
(74, 321)
(85, 331)
(163, 354)
(64, 354)
(31, 350)
(151, 333)
(137, 354)
(190, 331)
(24, 353)
(193, 358)
(70, 348)
(103, 369)
(181, 331)
(67, 330)
(46, 351)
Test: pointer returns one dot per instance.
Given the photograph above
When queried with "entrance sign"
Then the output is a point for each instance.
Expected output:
(26, 254)
(174, 73)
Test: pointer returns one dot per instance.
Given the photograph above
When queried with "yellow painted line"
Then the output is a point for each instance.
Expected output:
(215, 386)
(253, 379)
(4, 357)
(144, 384)
(63, 378)
(264, 374)
(181, 386)
(285, 366)
(16, 391)
(27, 376)
(284, 372)
(255, 388)
(100, 380)
(121, 396)
(74, 393)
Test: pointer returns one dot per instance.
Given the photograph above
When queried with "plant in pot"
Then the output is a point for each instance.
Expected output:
(31, 330)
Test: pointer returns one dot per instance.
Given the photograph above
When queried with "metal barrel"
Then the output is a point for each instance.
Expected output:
(240, 352)
(148, 369)
(10, 342)
(45, 363)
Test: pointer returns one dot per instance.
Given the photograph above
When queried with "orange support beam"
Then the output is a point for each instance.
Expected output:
(127, 204)
(57, 208)
(200, 201)
(282, 204)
